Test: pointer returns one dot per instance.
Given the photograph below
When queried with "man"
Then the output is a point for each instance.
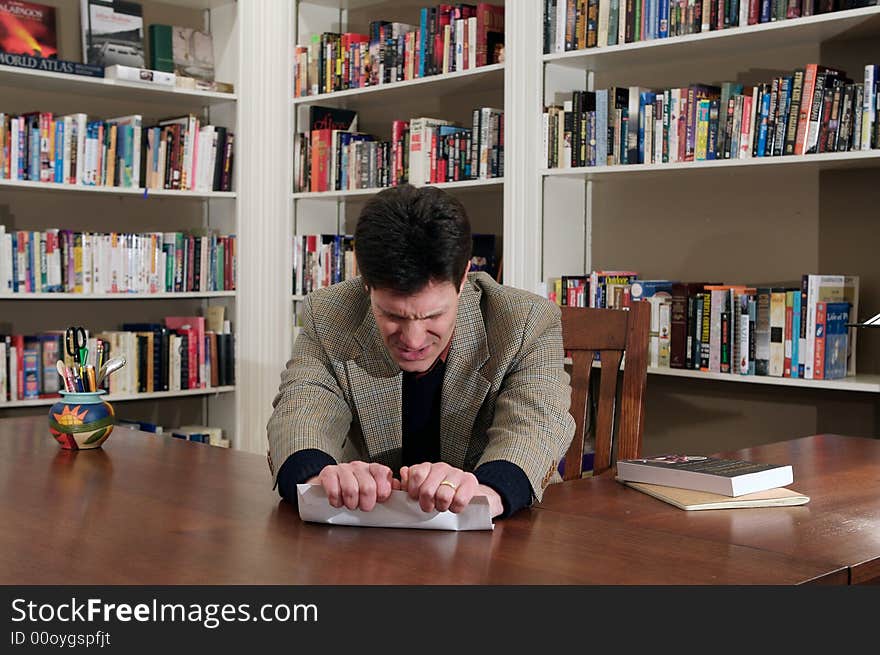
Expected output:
(421, 376)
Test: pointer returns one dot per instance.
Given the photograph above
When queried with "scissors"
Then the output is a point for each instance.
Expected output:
(75, 343)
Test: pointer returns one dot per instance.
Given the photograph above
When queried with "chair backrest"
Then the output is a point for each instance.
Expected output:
(611, 333)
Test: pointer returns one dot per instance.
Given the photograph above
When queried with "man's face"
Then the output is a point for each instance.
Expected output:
(416, 327)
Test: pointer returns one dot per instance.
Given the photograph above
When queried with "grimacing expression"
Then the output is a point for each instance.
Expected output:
(416, 327)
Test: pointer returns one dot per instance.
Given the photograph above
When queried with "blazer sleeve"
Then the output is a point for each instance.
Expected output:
(531, 426)
(310, 410)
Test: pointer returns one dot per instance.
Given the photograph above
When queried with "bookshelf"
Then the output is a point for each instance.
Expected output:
(116, 296)
(127, 397)
(760, 219)
(869, 383)
(766, 218)
(451, 96)
(26, 205)
(26, 185)
(822, 161)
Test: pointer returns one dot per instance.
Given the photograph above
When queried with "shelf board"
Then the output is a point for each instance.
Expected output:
(866, 383)
(117, 296)
(348, 4)
(863, 383)
(118, 398)
(100, 87)
(822, 161)
(851, 23)
(28, 185)
(466, 185)
(198, 4)
(458, 82)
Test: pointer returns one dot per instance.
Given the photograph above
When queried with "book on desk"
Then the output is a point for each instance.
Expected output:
(727, 477)
(688, 499)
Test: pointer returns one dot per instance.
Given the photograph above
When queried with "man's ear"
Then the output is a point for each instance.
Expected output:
(464, 277)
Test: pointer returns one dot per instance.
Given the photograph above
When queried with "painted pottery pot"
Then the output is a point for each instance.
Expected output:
(81, 420)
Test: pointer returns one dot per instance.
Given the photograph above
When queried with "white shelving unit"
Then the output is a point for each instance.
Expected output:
(450, 96)
(764, 218)
(767, 219)
(39, 206)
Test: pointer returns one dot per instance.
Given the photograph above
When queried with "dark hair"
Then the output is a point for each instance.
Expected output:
(407, 237)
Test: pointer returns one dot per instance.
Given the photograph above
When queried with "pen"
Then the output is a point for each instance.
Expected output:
(77, 380)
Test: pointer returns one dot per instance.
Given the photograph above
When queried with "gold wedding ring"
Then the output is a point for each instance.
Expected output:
(449, 483)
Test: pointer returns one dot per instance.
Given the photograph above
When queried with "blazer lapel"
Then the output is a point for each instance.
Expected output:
(376, 389)
(464, 387)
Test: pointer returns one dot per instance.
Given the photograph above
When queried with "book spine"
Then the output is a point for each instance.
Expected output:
(818, 369)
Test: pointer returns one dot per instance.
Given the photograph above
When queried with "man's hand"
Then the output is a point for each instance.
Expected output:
(357, 485)
(443, 487)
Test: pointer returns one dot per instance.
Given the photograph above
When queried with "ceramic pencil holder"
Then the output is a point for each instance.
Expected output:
(81, 420)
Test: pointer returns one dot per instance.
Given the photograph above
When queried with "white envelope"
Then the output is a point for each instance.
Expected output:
(399, 511)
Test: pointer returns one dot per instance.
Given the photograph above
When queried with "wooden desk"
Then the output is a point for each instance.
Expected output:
(839, 526)
(150, 509)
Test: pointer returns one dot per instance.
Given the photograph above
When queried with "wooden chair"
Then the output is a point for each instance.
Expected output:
(611, 333)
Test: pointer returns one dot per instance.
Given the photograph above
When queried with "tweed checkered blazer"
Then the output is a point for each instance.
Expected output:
(505, 392)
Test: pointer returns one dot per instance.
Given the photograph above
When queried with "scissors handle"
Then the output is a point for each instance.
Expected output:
(75, 343)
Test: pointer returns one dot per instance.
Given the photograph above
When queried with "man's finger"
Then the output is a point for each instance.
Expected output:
(382, 477)
(467, 487)
(366, 488)
(348, 487)
(417, 475)
(431, 486)
(329, 479)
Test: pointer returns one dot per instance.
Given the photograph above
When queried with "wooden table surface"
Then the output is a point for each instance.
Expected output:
(150, 509)
(840, 525)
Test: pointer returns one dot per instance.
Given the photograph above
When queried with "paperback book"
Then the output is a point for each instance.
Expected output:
(690, 500)
(728, 477)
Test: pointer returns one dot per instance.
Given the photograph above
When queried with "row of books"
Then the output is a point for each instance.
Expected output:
(780, 330)
(320, 260)
(448, 38)
(181, 354)
(178, 153)
(196, 433)
(578, 24)
(815, 109)
(63, 261)
(421, 151)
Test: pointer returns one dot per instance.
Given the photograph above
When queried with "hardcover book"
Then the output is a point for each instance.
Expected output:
(28, 28)
(728, 477)
(332, 118)
(112, 33)
(690, 500)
